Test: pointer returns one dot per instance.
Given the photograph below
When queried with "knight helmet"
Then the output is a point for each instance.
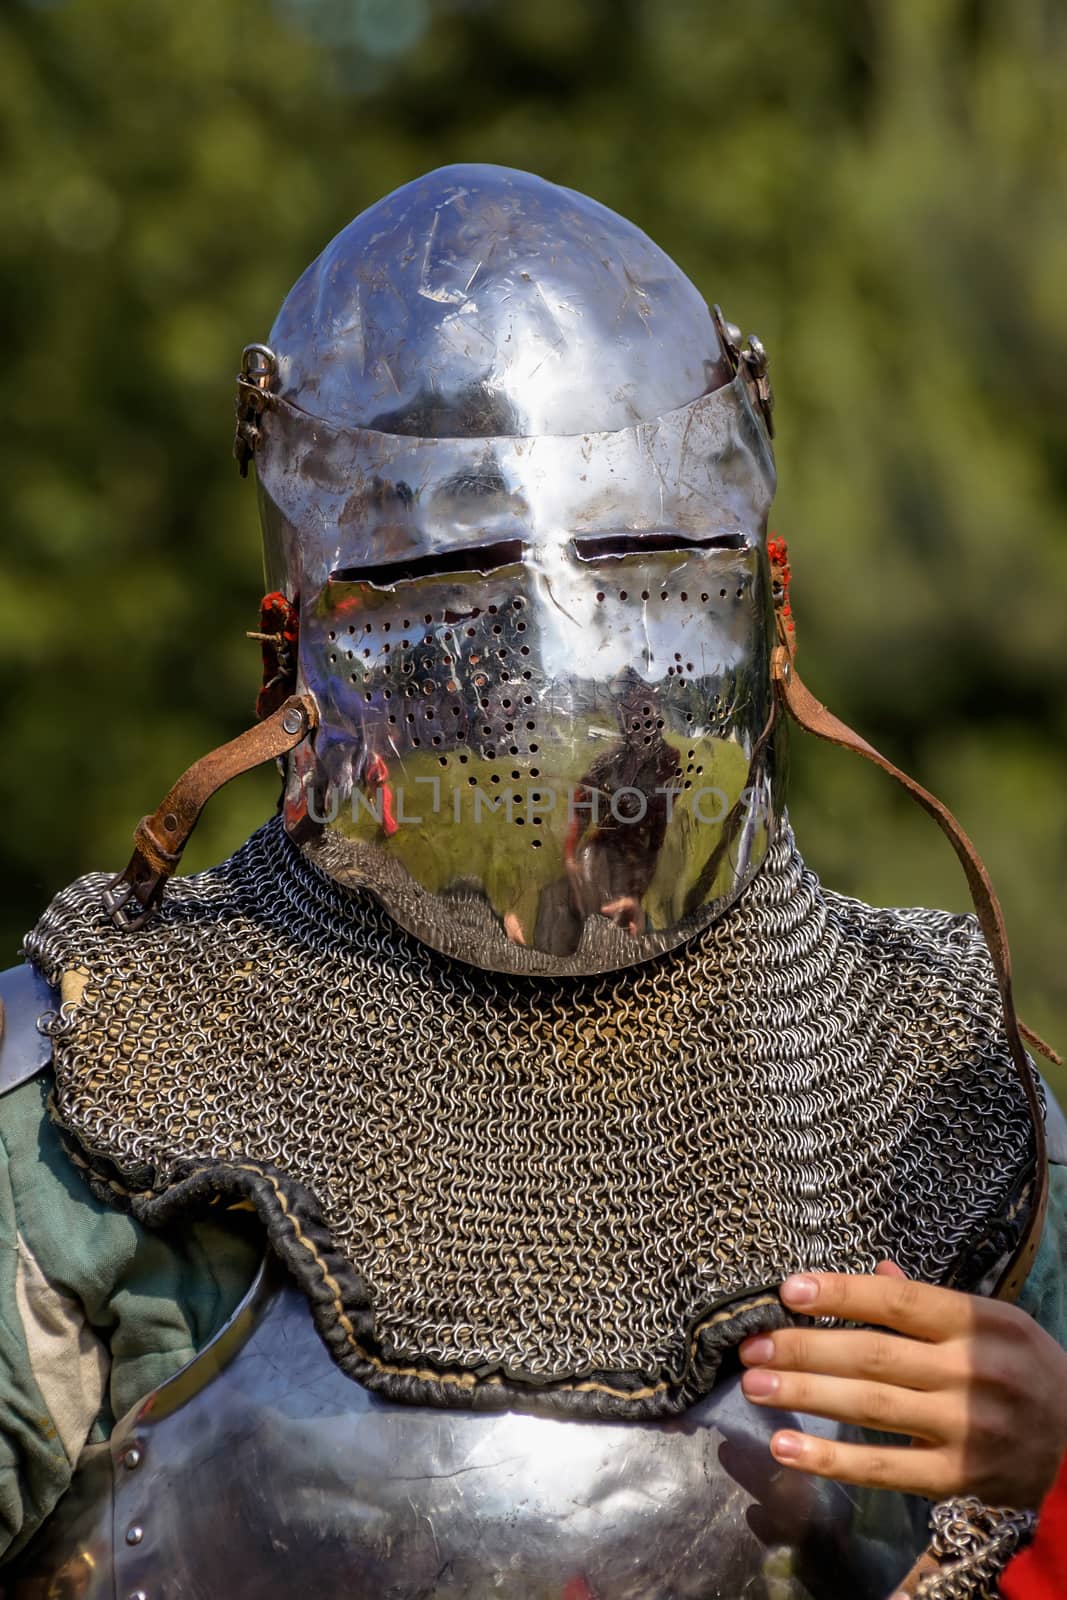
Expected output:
(514, 480)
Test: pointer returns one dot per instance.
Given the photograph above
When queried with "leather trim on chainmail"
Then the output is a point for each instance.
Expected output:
(577, 1194)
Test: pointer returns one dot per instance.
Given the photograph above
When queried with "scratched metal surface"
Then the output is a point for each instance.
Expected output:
(262, 1471)
(523, 503)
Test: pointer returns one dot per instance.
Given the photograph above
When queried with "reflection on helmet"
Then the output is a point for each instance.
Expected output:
(517, 479)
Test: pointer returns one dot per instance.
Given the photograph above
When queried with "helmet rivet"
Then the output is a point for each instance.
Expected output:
(134, 1534)
(293, 720)
(132, 1457)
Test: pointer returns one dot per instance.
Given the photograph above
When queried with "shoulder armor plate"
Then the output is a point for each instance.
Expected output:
(24, 1050)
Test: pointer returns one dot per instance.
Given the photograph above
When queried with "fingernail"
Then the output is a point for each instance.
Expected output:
(800, 1290)
(755, 1351)
(759, 1385)
(787, 1446)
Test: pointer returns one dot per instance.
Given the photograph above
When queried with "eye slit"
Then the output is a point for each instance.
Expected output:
(483, 559)
(599, 546)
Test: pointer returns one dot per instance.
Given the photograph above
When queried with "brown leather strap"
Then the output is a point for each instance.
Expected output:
(1040, 1044)
(814, 717)
(159, 840)
(927, 1566)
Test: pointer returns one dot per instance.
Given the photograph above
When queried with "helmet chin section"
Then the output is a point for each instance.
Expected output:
(564, 765)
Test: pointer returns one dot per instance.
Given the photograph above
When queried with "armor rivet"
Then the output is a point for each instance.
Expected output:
(293, 720)
(137, 1594)
(132, 1458)
(134, 1534)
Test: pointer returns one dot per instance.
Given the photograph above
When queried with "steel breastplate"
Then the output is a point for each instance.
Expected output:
(261, 1470)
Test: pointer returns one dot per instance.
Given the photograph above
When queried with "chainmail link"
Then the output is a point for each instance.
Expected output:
(555, 1177)
(974, 1543)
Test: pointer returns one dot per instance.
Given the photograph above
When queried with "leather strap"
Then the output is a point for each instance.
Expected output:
(927, 1566)
(132, 896)
(811, 715)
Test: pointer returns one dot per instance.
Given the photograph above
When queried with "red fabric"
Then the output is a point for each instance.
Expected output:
(1040, 1571)
(377, 773)
(781, 576)
(279, 626)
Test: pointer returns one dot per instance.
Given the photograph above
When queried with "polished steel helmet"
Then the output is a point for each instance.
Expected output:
(515, 477)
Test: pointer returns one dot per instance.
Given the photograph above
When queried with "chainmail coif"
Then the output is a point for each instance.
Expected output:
(590, 1185)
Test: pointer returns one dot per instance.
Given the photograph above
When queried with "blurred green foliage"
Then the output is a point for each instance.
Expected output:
(876, 186)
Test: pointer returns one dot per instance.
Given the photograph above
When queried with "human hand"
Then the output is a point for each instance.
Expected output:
(978, 1387)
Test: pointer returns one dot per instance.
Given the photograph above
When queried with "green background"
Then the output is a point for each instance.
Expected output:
(876, 188)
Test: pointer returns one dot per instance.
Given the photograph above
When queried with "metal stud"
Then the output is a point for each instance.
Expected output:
(132, 1457)
(134, 1534)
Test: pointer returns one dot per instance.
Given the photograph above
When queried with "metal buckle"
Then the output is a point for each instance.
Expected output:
(259, 368)
(144, 890)
(753, 359)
